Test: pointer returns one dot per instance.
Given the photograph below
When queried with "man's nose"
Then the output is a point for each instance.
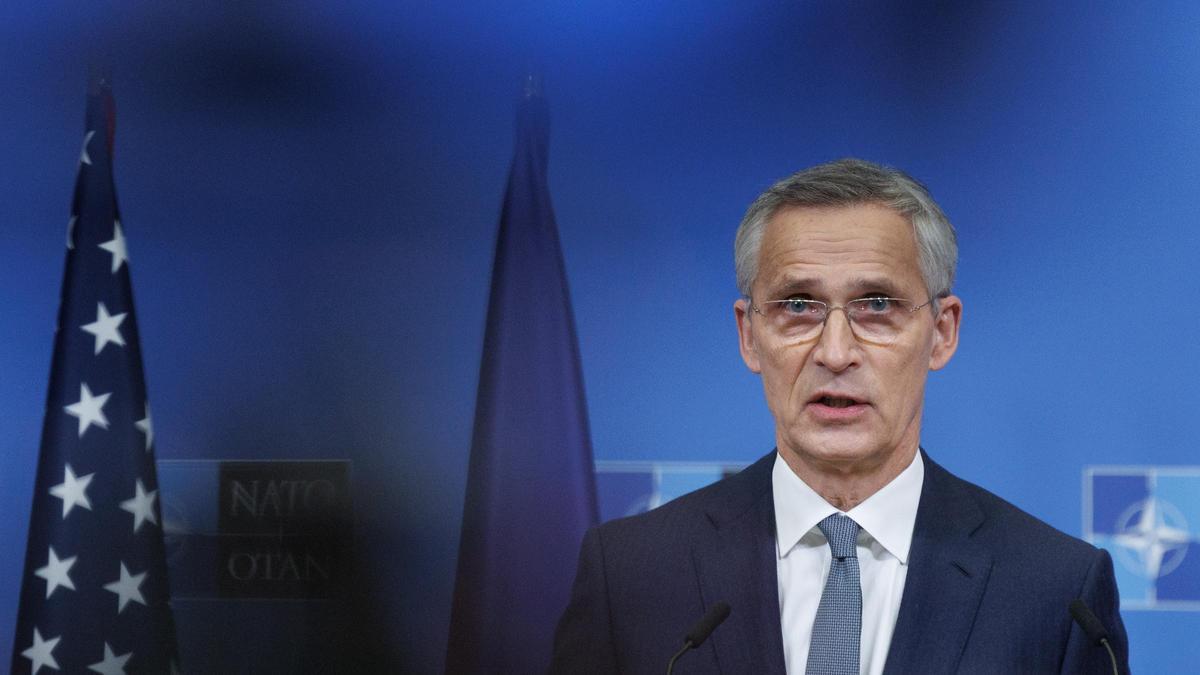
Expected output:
(837, 349)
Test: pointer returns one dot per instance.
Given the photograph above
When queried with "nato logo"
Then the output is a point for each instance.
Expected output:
(1149, 519)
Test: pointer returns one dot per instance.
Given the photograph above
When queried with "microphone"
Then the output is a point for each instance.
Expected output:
(1094, 629)
(700, 632)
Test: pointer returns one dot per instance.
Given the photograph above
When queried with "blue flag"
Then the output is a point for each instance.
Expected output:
(531, 488)
(94, 589)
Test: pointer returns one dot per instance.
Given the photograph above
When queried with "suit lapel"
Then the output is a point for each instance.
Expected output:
(946, 578)
(734, 557)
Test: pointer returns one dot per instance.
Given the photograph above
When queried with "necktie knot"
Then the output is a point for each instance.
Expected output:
(842, 533)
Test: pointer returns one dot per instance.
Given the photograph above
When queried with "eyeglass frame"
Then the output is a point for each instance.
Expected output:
(830, 308)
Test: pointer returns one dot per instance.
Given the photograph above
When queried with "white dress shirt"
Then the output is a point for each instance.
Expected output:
(886, 520)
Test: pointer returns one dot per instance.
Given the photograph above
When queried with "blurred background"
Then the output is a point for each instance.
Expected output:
(310, 193)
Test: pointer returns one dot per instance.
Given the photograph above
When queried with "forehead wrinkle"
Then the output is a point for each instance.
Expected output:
(853, 289)
(830, 226)
(880, 274)
(814, 251)
(785, 260)
(799, 249)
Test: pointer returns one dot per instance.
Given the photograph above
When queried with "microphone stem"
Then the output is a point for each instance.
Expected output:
(671, 664)
(1111, 655)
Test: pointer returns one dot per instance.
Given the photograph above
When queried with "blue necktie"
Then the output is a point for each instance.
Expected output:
(836, 630)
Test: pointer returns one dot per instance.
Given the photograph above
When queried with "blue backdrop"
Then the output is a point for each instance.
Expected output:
(311, 190)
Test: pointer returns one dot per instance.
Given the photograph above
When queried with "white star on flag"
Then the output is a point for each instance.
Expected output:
(42, 652)
(56, 572)
(127, 588)
(106, 328)
(83, 153)
(146, 426)
(73, 491)
(116, 246)
(112, 664)
(87, 482)
(89, 409)
(141, 505)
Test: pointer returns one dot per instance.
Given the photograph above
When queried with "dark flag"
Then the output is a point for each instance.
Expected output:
(94, 590)
(531, 487)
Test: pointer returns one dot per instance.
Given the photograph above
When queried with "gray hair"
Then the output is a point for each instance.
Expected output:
(847, 182)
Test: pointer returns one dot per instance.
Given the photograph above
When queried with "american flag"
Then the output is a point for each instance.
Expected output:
(94, 595)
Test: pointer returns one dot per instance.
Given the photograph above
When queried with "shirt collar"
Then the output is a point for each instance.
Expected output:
(888, 515)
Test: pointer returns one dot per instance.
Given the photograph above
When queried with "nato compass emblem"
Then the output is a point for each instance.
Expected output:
(1149, 519)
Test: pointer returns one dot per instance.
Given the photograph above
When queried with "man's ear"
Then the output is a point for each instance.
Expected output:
(945, 327)
(746, 343)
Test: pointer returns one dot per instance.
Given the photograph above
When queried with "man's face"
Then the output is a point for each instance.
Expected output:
(842, 405)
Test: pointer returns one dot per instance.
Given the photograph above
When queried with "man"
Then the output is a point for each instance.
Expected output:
(847, 549)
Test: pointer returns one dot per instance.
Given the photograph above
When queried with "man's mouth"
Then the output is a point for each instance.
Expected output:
(837, 401)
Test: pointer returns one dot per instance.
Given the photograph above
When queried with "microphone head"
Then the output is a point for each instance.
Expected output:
(1088, 621)
(707, 624)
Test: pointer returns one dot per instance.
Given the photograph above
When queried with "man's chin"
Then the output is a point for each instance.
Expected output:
(843, 451)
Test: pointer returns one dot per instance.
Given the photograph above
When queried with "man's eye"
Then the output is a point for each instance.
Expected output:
(797, 306)
(877, 305)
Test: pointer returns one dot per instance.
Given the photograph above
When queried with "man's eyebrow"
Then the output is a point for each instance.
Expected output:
(859, 286)
(862, 285)
(792, 284)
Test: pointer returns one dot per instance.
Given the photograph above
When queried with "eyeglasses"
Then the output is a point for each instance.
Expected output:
(875, 320)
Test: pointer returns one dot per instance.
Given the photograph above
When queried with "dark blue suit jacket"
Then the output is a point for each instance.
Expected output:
(987, 589)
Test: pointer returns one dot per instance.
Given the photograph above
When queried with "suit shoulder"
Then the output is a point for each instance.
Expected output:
(1019, 530)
